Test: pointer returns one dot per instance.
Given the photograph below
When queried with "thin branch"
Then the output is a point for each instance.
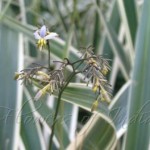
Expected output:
(58, 104)
(49, 55)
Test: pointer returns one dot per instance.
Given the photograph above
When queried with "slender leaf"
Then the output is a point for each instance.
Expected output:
(98, 133)
(30, 127)
(116, 46)
(130, 19)
(46, 114)
(10, 101)
(118, 109)
(138, 133)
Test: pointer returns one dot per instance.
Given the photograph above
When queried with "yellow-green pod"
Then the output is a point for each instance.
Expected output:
(94, 106)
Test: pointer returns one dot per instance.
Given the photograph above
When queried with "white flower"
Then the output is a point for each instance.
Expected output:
(42, 35)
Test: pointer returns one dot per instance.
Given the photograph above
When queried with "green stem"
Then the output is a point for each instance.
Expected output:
(58, 104)
(49, 55)
(57, 109)
(54, 121)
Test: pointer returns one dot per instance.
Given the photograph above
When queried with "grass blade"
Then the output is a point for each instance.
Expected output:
(116, 46)
(11, 58)
(138, 128)
(30, 127)
(98, 133)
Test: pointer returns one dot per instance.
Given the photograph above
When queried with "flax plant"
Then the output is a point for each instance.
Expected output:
(54, 81)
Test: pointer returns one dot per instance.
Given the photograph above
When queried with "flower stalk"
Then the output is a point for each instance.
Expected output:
(49, 55)
(59, 101)
(94, 68)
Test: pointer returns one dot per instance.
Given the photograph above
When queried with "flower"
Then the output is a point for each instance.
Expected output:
(95, 70)
(55, 79)
(35, 73)
(94, 105)
(42, 35)
(42, 91)
(96, 84)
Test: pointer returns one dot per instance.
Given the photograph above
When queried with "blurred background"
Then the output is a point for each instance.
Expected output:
(118, 30)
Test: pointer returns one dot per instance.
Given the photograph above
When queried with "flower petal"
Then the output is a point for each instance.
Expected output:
(36, 35)
(52, 35)
(38, 95)
(43, 31)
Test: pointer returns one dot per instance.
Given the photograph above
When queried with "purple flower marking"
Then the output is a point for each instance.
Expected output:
(43, 31)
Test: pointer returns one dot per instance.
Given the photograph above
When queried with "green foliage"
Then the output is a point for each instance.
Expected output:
(113, 29)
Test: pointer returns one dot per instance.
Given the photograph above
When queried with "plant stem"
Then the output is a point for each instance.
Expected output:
(58, 104)
(54, 121)
(57, 109)
(49, 55)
